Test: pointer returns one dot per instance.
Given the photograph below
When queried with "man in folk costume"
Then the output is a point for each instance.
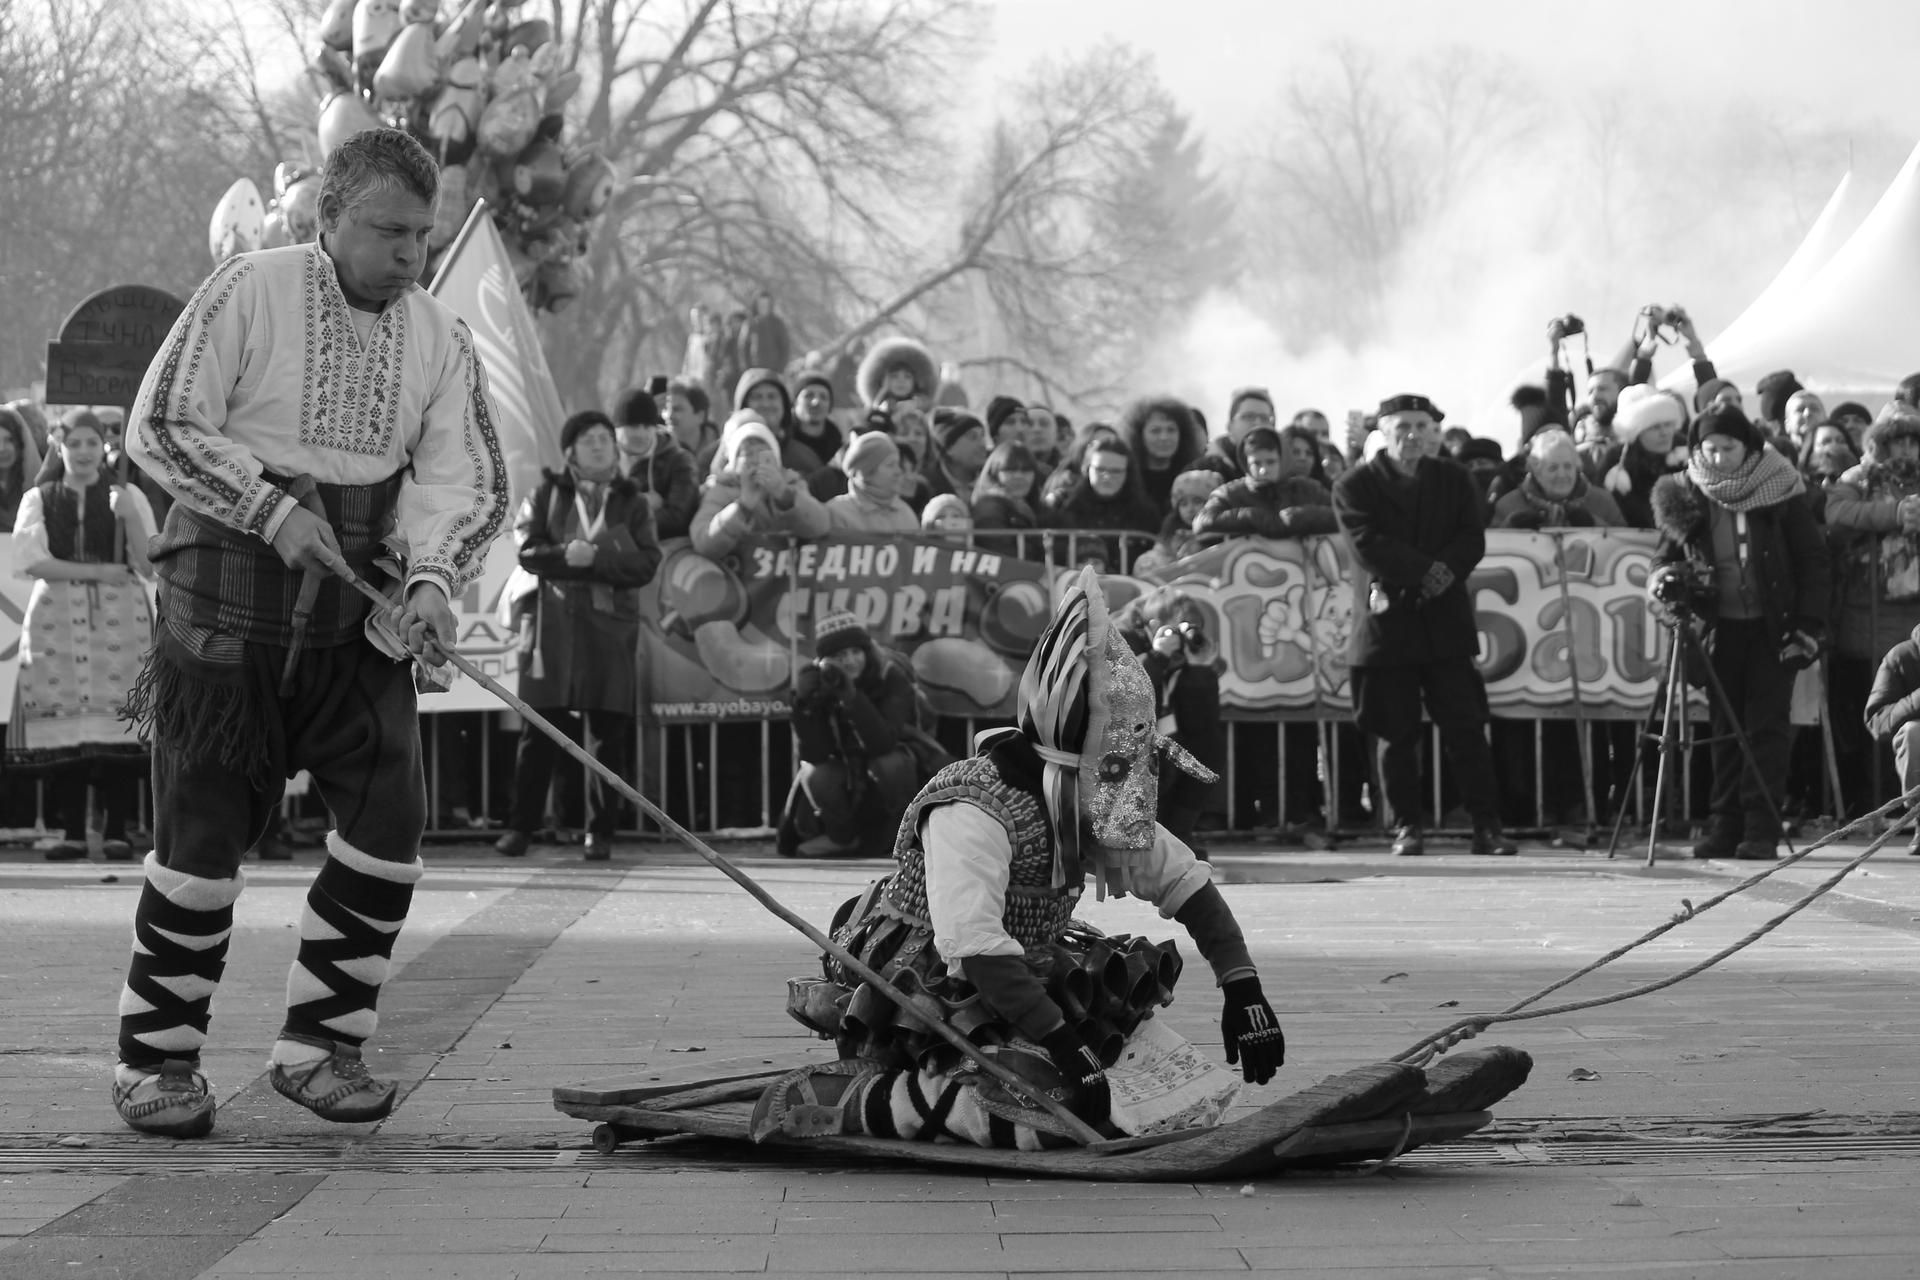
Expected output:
(312, 411)
(978, 921)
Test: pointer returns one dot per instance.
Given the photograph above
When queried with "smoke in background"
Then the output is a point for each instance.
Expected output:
(1413, 228)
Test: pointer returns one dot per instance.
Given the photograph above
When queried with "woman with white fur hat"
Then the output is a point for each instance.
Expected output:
(1647, 423)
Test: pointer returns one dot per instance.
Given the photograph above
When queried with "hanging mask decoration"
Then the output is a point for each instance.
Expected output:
(1087, 706)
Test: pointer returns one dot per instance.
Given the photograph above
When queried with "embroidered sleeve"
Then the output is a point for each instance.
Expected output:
(453, 499)
(968, 859)
(178, 420)
(30, 547)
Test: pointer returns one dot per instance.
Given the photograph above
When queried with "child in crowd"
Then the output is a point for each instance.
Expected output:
(1272, 501)
(946, 514)
(1191, 489)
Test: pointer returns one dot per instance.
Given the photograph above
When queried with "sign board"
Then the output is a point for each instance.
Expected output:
(107, 343)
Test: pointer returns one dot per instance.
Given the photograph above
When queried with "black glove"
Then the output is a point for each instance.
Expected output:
(1087, 1093)
(1251, 1032)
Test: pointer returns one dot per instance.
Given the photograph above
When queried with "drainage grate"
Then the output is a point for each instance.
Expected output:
(39, 1154)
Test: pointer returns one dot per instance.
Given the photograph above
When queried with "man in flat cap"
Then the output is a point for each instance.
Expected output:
(1416, 528)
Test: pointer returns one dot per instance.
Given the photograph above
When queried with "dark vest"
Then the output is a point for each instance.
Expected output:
(1036, 912)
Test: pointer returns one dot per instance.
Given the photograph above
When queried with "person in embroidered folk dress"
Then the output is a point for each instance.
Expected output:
(979, 919)
(313, 410)
(86, 629)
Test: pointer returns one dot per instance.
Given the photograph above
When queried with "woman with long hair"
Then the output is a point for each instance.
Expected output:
(19, 464)
(1002, 497)
(1165, 440)
(1107, 494)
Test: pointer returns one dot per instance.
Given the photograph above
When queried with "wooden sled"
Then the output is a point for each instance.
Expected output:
(1369, 1113)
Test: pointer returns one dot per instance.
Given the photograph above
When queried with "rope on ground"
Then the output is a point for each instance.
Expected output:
(1467, 1028)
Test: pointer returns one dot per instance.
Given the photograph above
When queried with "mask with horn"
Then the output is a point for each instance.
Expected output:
(1087, 706)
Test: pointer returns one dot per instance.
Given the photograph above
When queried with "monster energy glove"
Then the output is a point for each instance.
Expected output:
(1252, 1033)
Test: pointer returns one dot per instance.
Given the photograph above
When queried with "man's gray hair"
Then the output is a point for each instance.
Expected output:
(1546, 443)
(374, 160)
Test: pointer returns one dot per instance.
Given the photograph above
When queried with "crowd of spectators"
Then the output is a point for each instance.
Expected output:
(1791, 529)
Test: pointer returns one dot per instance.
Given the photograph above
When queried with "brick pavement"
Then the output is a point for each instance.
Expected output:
(674, 959)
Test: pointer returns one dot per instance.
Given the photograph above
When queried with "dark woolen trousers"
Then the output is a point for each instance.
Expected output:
(609, 739)
(1387, 703)
(352, 722)
(1746, 657)
(841, 801)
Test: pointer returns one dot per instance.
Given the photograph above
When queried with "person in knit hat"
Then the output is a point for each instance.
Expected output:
(813, 414)
(960, 449)
(1772, 393)
(749, 492)
(1006, 420)
(1190, 492)
(994, 855)
(872, 502)
(851, 708)
(654, 460)
(1738, 541)
(946, 513)
(1648, 424)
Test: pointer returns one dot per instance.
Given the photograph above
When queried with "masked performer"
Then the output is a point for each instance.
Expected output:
(312, 410)
(978, 923)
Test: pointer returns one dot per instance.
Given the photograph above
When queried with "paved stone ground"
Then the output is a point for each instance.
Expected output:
(512, 978)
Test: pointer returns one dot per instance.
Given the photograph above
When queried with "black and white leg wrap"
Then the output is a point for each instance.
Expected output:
(180, 933)
(354, 911)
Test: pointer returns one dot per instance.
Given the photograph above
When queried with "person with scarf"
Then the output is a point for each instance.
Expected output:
(1738, 540)
(993, 857)
(749, 492)
(83, 539)
(587, 534)
(1107, 495)
(1555, 495)
(1002, 499)
(872, 502)
(1873, 526)
(1647, 422)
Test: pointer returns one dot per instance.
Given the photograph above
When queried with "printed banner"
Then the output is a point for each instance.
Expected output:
(719, 638)
(1283, 612)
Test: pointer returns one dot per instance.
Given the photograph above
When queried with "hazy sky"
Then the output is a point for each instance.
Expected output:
(1224, 58)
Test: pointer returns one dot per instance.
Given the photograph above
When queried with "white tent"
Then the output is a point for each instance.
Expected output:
(1853, 326)
(1821, 242)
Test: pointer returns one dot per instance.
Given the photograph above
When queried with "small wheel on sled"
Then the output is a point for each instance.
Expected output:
(606, 1139)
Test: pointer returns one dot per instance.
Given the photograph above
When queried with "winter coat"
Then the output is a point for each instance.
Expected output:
(1862, 508)
(1791, 569)
(848, 514)
(1082, 508)
(862, 720)
(1397, 539)
(724, 519)
(582, 627)
(668, 474)
(1295, 507)
(1895, 699)
(1642, 470)
(1587, 506)
(998, 511)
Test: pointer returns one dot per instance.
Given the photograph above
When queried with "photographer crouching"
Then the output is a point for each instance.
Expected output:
(1741, 557)
(851, 707)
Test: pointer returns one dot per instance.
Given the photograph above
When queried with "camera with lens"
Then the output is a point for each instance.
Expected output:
(1192, 637)
(1561, 328)
(1664, 322)
(1679, 588)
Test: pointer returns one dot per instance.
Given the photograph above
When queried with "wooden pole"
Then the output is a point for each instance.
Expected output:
(1083, 1132)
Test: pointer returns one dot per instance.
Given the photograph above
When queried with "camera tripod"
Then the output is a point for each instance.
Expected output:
(1676, 739)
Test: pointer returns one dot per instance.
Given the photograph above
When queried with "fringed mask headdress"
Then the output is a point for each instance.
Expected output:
(1087, 706)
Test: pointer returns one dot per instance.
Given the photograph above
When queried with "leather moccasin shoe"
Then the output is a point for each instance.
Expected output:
(337, 1088)
(173, 1102)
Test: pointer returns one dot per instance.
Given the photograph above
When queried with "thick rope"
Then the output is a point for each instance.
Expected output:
(1467, 1028)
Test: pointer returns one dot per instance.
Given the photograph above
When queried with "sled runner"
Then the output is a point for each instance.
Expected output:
(1370, 1113)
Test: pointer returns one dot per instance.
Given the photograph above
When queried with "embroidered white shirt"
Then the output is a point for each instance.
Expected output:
(967, 859)
(265, 369)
